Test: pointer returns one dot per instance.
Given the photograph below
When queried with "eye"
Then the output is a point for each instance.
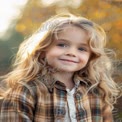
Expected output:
(62, 45)
(82, 49)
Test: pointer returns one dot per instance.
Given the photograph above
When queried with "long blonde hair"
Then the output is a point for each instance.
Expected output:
(98, 71)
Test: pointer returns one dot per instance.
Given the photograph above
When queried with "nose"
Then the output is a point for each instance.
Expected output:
(71, 52)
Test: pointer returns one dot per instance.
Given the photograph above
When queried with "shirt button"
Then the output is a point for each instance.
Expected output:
(60, 111)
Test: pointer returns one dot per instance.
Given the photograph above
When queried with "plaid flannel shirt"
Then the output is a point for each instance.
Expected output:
(28, 103)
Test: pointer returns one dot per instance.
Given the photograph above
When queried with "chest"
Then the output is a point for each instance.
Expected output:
(53, 107)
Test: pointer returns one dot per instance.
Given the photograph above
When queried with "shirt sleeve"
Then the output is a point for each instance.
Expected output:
(17, 106)
(107, 114)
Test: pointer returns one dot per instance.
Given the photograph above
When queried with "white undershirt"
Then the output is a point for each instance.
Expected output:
(71, 109)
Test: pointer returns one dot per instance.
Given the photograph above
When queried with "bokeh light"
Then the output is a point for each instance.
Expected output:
(10, 11)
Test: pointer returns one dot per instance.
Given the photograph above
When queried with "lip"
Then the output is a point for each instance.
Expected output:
(68, 60)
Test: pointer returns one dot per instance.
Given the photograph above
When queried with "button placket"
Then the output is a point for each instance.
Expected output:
(71, 104)
(73, 115)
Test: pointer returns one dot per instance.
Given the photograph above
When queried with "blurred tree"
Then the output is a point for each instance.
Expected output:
(8, 48)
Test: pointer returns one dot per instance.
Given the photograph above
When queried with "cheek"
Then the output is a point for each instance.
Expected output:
(84, 58)
(54, 52)
(51, 55)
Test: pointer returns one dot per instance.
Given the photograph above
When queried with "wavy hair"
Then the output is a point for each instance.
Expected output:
(29, 61)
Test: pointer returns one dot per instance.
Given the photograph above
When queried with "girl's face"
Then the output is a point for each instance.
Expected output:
(70, 51)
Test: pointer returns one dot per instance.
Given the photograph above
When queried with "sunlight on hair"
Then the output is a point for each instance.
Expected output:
(35, 42)
(108, 65)
(49, 2)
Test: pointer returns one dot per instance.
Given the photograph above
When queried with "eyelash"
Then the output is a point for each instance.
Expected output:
(62, 45)
(82, 49)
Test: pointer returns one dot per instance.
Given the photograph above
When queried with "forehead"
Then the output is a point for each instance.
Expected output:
(73, 33)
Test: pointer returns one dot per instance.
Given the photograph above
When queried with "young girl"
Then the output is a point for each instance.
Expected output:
(62, 73)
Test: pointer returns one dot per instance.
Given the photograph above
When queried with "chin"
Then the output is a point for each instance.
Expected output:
(65, 70)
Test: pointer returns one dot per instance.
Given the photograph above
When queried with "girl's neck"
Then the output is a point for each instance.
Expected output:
(66, 78)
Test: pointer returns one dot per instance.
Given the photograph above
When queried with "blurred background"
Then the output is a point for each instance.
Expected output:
(20, 18)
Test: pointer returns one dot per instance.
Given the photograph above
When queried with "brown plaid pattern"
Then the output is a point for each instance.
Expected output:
(28, 103)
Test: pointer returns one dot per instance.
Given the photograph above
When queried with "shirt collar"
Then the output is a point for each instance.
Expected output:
(50, 82)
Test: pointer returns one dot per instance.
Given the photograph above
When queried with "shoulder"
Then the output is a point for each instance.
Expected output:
(33, 87)
(21, 90)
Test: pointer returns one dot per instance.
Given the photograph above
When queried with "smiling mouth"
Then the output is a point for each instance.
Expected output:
(67, 60)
